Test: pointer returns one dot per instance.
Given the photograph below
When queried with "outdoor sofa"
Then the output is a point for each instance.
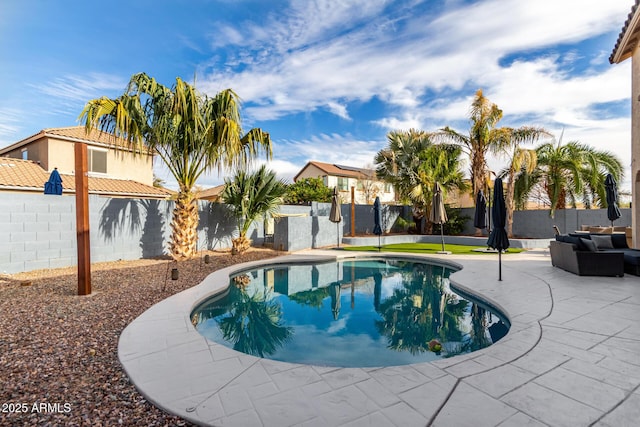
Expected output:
(616, 242)
(572, 254)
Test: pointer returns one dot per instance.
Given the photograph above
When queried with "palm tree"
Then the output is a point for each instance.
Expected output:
(519, 159)
(484, 137)
(254, 324)
(571, 173)
(252, 195)
(412, 163)
(191, 133)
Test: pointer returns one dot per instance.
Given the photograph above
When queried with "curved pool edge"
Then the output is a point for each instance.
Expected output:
(178, 370)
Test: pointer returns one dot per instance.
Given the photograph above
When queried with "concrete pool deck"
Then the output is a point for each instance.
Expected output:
(571, 358)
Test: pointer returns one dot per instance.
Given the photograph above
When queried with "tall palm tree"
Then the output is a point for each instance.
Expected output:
(413, 163)
(519, 159)
(484, 137)
(190, 132)
(252, 195)
(572, 173)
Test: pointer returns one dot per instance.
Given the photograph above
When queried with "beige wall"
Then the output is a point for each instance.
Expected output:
(311, 172)
(138, 168)
(635, 146)
(120, 164)
(61, 156)
(55, 153)
(36, 152)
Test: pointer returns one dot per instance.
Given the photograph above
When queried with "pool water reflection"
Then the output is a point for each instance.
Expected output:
(356, 313)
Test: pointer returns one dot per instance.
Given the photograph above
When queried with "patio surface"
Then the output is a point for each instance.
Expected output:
(571, 358)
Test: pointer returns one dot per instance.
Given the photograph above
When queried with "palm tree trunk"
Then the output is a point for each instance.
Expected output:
(184, 235)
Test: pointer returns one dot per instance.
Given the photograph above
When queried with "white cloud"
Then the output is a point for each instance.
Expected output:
(82, 88)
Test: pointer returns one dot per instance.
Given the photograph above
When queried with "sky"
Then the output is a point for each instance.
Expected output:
(328, 79)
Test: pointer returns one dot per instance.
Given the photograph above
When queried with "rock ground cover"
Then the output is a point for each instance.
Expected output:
(59, 351)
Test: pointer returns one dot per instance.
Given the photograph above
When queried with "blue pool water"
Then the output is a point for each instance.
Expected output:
(356, 313)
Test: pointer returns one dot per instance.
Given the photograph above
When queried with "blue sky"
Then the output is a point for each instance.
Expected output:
(327, 79)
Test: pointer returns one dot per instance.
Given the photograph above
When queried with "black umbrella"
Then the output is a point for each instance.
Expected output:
(54, 185)
(611, 189)
(377, 289)
(498, 238)
(438, 214)
(377, 220)
(480, 216)
(335, 215)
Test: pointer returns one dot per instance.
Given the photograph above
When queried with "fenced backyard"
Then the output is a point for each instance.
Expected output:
(39, 231)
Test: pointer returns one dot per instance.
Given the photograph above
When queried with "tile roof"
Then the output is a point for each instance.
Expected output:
(339, 170)
(628, 37)
(212, 193)
(28, 176)
(71, 133)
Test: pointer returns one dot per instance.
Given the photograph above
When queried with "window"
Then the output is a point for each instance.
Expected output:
(97, 160)
(343, 183)
(387, 187)
(25, 154)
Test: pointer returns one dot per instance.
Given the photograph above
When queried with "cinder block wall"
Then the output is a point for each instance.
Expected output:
(39, 231)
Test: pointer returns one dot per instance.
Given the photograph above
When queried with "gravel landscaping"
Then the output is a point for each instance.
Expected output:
(59, 351)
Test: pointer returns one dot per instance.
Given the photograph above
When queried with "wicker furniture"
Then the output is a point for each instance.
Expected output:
(569, 257)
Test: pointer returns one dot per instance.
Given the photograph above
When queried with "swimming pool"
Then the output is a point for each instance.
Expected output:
(350, 313)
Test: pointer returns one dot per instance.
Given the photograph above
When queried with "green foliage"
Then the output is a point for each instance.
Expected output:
(252, 195)
(413, 163)
(570, 173)
(307, 190)
(402, 224)
(455, 222)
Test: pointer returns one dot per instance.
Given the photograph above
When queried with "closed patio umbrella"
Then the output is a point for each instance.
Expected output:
(54, 184)
(335, 294)
(335, 215)
(377, 220)
(611, 191)
(498, 238)
(438, 214)
(480, 215)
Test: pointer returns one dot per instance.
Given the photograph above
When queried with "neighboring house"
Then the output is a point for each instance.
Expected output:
(627, 47)
(366, 185)
(107, 157)
(211, 194)
(25, 176)
(113, 170)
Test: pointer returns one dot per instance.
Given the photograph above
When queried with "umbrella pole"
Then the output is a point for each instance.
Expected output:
(379, 244)
(500, 265)
(442, 236)
(338, 233)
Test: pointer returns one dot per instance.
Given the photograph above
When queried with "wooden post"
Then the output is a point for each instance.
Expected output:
(353, 211)
(82, 219)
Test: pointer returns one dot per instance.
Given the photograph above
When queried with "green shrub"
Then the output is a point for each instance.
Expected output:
(455, 222)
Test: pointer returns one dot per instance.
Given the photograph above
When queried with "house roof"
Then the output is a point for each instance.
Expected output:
(28, 176)
(212, 193)
(629, 36)
(71, 134)
(339, 170)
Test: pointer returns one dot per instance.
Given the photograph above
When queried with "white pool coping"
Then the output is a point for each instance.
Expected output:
(557, 336)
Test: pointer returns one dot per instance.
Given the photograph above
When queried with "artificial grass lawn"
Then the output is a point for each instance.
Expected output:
(426, 248)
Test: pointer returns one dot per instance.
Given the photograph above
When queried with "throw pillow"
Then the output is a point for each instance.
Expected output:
(619, 241)
(576, 241)
(602, 242)
(589, 244)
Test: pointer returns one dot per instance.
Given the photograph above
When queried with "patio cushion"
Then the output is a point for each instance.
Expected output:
(590, 245)
(575, 241)
(602, 242)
